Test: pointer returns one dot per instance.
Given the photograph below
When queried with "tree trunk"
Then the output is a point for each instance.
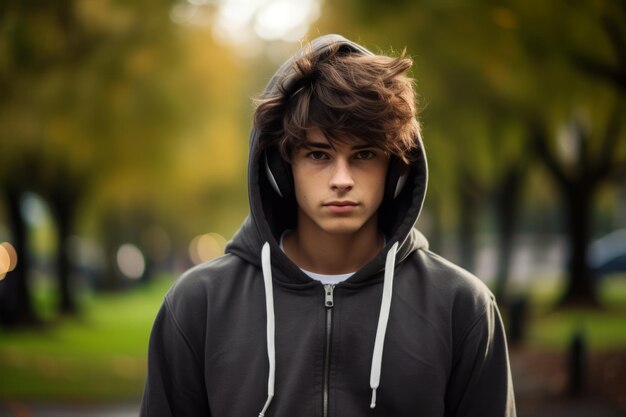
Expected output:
(580, 288)
(64, 214)
(16, 307)
(578, 187)
(507, 200)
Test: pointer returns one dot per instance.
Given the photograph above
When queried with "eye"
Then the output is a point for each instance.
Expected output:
(366, 154)
(317, 155)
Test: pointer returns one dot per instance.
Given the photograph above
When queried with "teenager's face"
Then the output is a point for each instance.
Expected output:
(338, 189)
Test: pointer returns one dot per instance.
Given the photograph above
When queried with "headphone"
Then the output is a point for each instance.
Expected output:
(278, 170)
(280, 177)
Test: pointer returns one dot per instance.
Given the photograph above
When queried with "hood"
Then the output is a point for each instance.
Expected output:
(270, 215)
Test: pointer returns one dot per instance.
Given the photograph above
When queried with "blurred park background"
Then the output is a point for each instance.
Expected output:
(123, 156)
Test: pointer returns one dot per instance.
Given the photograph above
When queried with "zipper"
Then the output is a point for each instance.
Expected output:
(329, 303)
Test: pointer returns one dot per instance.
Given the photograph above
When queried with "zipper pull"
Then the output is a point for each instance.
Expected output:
(328, 297)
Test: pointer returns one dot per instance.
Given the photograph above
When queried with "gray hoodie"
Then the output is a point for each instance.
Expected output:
(250, 334)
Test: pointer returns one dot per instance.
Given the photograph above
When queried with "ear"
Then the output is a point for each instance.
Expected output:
(278, 172)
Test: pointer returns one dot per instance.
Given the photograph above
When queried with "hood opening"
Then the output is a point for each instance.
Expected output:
(280, 213)
(392, 212)
(271, 215)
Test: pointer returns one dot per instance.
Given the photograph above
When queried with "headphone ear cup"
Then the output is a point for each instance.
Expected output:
(280, 177)
(278, 173)
(397, 175)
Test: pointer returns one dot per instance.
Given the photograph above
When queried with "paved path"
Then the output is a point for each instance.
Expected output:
(42, 410)
(541, 383)
(582, 408)
(569, 409)
(576, 408)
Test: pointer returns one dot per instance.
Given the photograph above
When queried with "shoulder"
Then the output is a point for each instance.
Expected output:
(467, 304)
(462, 292)
(191, 293)
(205, 275)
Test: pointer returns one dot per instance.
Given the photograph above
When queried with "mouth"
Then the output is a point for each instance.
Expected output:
(341, 207)
(344, 203)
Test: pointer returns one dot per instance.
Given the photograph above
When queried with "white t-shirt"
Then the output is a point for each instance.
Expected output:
(328, 279)
(323, 278)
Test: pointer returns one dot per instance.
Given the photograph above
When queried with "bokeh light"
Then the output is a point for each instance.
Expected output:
(4, 262)
(206, 247)
(130, 261)
(8, 259)
(34, 209)
(285, 19)
(245, 22)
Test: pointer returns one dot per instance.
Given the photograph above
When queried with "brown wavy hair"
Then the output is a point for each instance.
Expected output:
(348, 96)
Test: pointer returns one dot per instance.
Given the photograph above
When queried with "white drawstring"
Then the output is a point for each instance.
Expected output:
(383, 318)
(269, 308)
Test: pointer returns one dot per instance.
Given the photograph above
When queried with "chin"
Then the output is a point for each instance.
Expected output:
(342, 227)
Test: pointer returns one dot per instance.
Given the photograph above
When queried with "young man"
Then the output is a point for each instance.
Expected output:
(328, 302)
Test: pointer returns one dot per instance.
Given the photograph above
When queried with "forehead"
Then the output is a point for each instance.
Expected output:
(315, 136)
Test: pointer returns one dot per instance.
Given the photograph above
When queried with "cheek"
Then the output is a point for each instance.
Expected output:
(301, 181)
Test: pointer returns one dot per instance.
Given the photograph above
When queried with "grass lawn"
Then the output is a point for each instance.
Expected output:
(602, 328)
(102, 356)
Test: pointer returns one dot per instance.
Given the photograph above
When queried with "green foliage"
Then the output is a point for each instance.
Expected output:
(115, 103)
(484, 68)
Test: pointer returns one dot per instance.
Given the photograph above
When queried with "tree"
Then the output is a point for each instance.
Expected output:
(489, 64)
(82, 101)
(578, 183)
(594, 156)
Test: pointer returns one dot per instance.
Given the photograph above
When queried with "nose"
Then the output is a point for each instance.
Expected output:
(341, 179)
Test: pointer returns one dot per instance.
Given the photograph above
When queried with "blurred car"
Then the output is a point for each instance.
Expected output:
(607, 255)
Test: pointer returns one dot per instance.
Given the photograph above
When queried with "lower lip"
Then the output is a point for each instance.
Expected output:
(341, 209)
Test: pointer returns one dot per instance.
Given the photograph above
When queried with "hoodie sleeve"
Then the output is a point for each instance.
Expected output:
(175, 382)
(480, 383)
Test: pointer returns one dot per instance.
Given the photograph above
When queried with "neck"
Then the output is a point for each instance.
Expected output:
(318, 251)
